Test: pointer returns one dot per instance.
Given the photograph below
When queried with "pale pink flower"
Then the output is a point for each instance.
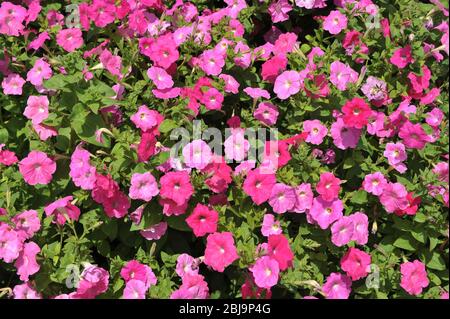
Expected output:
(337, 286)
(12, 84)
(361, 228)
(304, 196)
(270, 226)
(414, 277)
(316, 131)
(342, 231)
(325, 213)
(197, 154)
(374, 183)
(282, 198)
(37, 108)
(287, 84)
(335, 22)
(69, 39)
(143, 186)
(267, 113)
(236, 146)
(394, 197)
(154, 232)
(26, 262)
(39, 72)
(37, 168)
(265, 272)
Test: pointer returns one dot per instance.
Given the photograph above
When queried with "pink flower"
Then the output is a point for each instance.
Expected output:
(304, 196)
(343, 136)
(434, 117)
(12, 84)
(194, 287)
(402, 57)
(270, 226)
(160, 77)
(265, 272)
(102, 12)
(69, 39)
(356, 113)
(273, 67)
(112, 63)
(231, 85)
(266, 113)
(396, 154)
(44, 131)
(220, 251)
(37, 108)
(394, 197)
(361, 228)
(337, 286)
(335, 22)
(374, 183)
(134, 270)
(356, 263)
(256, 93)
(197, 154)
(276, 153)
(414, 277)
(37, 43)
(11, 243)
(26, 291)
(212, 62)
(62, 209)
(212, 99)
(27, 222)
(325, 213)
(328, 186)
(176, 186)
(172, 208)
(154, 232)
(117, 206)
(7, 157)
(143, 186)
(146, 119)
(203, 220)
(39, 72)
(278, 248)
(236, 146)
(341, 75)
(287, 84)
(94, 281)
(279, 10)
(282, 198)
(316, 131)
(186, 264)
(11, 18)
(26, 262)
(413, 135)
(163, 51)
(285, 43)
(134, 289)
(259, 186)
(342, 231)
(37, 168)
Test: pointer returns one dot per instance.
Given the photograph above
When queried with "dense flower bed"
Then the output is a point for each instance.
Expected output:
(113, 187)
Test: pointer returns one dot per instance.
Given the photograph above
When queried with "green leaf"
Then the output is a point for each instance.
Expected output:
(405, 242)
(85, 124)
(359, 197)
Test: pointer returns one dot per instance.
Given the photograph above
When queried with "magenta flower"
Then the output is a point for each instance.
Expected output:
(212, 99)
(176, 186)
(231, 85)
(146, 119)
(328, 186)
(413, 135)
(402, 57)
(203, 220)
(220, 251)
(265, 272)
(259, 186)
(356, 263)
(212, 62)
(279, 10)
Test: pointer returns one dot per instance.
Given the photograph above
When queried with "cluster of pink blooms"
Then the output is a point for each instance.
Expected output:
(160, 43)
